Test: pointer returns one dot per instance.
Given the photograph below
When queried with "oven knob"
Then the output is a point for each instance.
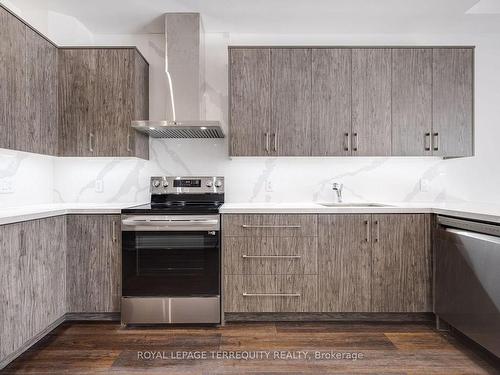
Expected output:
(156, 183)
(218, 183)
(165, 183)
(209, 183)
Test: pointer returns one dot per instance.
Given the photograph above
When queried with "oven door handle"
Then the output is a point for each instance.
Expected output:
(170, 225)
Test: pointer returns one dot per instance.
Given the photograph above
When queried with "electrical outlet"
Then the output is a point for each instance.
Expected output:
(425, 185)
(269, 186)
(6, 186)
(99, 185)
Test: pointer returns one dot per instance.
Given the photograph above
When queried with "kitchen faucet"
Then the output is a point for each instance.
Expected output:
(337, 188)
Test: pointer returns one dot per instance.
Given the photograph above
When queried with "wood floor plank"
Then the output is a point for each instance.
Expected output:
(387, 348)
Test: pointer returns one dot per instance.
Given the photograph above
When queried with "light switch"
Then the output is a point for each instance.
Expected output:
(99, 186)
(6, 186)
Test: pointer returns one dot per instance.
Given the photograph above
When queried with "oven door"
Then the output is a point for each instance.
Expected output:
(171, 256)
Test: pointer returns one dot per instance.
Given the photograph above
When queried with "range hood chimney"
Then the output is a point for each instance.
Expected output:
(185, 70)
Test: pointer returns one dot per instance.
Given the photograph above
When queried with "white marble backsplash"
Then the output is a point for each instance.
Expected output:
(25, 178)
(249, 179)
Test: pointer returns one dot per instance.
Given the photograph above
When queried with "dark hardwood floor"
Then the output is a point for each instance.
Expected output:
(386, 348)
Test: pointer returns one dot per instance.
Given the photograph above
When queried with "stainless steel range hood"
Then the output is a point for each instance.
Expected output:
(185, 71)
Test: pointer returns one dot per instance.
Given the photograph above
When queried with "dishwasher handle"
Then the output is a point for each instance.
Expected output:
(469, 225)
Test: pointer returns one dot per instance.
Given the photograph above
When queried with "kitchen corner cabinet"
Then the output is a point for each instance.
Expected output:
(101, 91)
(28, 88)
(33, 279)
(349, 101)
(93, 263)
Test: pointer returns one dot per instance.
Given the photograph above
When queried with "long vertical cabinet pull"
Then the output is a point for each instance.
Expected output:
(435, 141)
(91, 142)
(113, 231)
(355, 142)
(129, 148)
(266, 135)
(377, 231)
(427, 141)
(347, 141)
(275, 142)
(367, 224)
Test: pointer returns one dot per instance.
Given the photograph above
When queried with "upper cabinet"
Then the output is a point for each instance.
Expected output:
(346, 101)
(28, 88)
(411, 101)
(371, 102)
(69, 101)
(101, 91)
(331, 102)
(250, 103)
(452, 102)
(291, 102)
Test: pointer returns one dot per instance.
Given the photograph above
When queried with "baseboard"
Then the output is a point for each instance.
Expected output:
(99, 316)
(28, 344)
(68, 317)
(324, 317)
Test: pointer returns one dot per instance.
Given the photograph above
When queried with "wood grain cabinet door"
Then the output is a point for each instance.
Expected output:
(452, 102)
(138, 143)
(115, 105)
(33, 277)
(250, 100)
(371, 102)
(331, 102)
(12, 79)
(77, 102)
(93, 263)
(401, 270)
(39, 134)
(344, 263)
(291, 132)
(411, 101)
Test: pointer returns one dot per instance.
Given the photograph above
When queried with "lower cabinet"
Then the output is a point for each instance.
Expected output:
(32, 276)
(374, 263)
(270, 263)
(93, 263)
(327, 263)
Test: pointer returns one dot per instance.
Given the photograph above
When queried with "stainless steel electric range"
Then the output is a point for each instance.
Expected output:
(171, 253)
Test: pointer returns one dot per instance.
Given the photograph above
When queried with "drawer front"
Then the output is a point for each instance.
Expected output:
(269, 225)
(267, 293)
(270, 255)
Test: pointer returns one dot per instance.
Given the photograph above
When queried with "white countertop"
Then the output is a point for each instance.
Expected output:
(24, 213)
(475, 211)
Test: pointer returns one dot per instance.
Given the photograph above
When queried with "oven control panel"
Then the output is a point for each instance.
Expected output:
(193, 185)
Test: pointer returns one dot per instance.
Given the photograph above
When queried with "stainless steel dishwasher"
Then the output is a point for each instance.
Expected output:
(467, 279)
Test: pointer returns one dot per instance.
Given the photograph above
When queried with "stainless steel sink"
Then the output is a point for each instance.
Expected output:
(346, 204)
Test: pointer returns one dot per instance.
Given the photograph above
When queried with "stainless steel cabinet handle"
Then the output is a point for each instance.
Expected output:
(347, 141)
(367, 224)
(91, 142)
(272, 256)
(355, 142)
(427, 141)
(377, 233)
(113, 231)
(267, 142)
(129, 149)
(275, 143)
(435, 141)
(250, 226)
(271, 294)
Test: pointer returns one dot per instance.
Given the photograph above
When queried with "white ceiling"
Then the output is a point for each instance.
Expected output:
(289, 16)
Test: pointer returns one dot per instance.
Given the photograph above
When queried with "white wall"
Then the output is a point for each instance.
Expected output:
(292, 179)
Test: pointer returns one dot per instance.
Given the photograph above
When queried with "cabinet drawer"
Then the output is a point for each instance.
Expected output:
(267, 293)
(270, 225)
(270, 255)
